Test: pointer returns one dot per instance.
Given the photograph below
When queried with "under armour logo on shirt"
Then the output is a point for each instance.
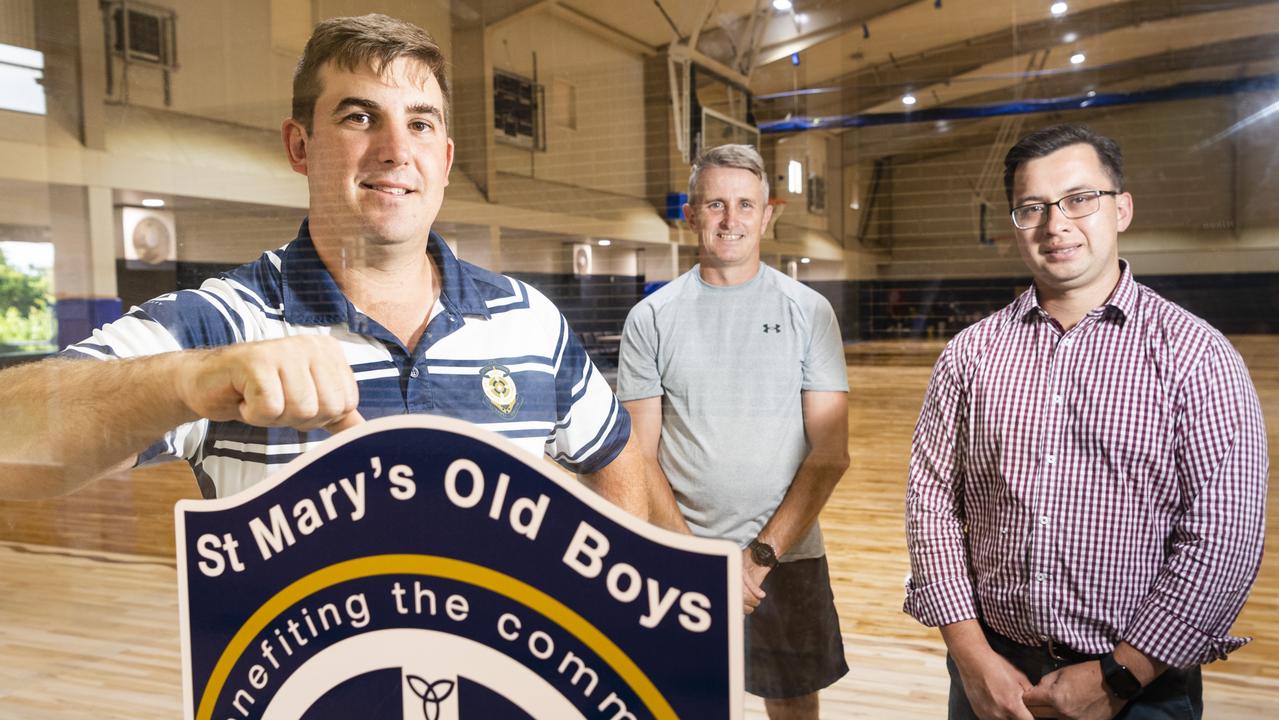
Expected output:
(772, 327)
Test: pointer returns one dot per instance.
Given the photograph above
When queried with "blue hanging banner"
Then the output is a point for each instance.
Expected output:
(418, 567)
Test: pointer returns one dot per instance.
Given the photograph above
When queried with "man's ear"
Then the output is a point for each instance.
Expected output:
(1123, 205)
(295, 139)
(448, 161)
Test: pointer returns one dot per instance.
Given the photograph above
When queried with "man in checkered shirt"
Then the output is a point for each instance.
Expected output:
(1086, 500)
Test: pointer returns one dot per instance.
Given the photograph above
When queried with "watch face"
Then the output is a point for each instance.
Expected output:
(763, 554)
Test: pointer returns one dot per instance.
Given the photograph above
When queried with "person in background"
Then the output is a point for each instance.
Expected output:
(735, 380)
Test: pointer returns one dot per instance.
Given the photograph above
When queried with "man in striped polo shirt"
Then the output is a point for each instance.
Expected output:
(1086, 499)
(366, 313)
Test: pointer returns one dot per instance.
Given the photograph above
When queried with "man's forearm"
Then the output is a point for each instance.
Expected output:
(826, 430)
(624, 481)
(965, 640)
(663, 510)
(69, 421)
(804, 500)
(1144, 667)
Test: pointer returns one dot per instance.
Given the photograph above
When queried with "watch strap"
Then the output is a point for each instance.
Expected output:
(1118, 678)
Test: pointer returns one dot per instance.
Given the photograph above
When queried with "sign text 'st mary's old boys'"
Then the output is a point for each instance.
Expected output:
(419, 568)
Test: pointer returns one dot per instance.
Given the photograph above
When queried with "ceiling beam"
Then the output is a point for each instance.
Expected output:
(599, 27)
(875, 84)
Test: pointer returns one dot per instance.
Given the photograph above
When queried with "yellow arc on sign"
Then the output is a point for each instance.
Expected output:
(434, 566)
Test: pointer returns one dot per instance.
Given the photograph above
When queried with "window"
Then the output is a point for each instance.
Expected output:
(795, 177)
(21, 71)
(816, 194)
(26, 297)
(564, 104)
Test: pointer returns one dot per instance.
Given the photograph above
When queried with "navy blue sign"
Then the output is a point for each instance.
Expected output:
(417, 567)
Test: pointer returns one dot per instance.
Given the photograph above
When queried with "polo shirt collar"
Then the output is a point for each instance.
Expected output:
(311, 295)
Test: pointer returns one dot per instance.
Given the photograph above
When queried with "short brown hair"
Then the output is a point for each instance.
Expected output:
(1051, 139)
(351, 43)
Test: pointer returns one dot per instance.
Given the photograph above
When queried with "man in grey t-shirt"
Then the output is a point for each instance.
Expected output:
(735, 381)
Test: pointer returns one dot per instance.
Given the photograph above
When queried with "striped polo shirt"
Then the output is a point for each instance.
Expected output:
(495, 353)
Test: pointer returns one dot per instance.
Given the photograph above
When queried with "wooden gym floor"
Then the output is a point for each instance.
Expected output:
(88, 599)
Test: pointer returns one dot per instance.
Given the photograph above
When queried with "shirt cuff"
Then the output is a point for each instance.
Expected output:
(940, 603)
(1166, 637)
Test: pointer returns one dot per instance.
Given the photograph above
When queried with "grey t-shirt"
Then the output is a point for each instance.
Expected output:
(730, 364)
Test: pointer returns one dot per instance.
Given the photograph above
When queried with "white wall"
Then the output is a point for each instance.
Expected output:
(606, 150)
(1201, 205)
(233, 67)
(17, 23)
(233, 234)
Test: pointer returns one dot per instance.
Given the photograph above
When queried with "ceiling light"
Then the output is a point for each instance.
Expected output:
(605, 243)
(782, 5)
(908, 99)
(1077, 58)
(1070, 37)
(152, 202)
(805, 261)
(801, 18)
(1057, 8)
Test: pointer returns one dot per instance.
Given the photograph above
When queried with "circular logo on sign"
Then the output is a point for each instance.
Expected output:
(415, 674)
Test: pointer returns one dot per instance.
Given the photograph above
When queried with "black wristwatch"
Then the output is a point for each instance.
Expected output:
(762, 553)
(1118, 678)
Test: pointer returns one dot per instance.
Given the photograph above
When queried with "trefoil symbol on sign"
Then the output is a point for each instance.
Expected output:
(432, 694)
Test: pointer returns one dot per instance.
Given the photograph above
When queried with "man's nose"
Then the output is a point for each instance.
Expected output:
(393, 145)
(1057, 219)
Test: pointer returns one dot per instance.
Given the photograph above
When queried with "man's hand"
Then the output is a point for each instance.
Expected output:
(302, 382)
(994, 686)
(1075, 692)
(753, 575)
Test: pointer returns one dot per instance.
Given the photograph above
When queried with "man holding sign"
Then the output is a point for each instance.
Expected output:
(366, 313)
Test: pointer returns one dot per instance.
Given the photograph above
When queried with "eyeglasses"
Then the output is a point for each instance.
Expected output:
(1074, 207)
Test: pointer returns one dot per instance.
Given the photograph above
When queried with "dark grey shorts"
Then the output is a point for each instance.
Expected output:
(793, 644)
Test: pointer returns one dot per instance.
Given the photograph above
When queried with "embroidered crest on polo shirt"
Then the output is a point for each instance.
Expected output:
(499, 388)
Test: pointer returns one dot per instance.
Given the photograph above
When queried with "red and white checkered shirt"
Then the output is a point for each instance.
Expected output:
(1102, 484)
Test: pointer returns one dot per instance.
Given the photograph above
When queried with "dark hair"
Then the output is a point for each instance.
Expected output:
(1051, 139)
(351, 43)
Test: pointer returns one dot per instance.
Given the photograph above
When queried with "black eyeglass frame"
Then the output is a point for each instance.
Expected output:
(1097, 194)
